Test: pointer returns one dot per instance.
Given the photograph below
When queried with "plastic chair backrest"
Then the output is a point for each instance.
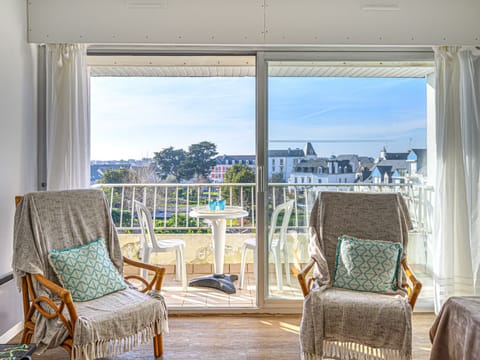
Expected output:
(146, 225)
(287, 207)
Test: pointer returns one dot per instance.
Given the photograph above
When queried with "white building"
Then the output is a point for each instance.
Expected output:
(334, 170)
(282, 162)
(398, 168)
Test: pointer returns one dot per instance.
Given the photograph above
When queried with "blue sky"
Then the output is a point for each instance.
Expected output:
(135, 117)
(348, 115)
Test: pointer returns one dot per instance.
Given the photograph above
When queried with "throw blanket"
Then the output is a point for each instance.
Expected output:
(62, 219)
(345, 324)
(455, 334)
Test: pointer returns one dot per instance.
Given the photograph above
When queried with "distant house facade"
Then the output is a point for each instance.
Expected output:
(389, 168)
(298, 166)
(334, 170)
(145, 167)
(282, 162)
(398, 168)
(417, 161)
(225, 162)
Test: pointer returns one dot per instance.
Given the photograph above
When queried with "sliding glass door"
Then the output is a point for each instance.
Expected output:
(337, 122)
(177, 133)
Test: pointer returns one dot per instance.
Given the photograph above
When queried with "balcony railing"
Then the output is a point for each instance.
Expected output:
(170, 204)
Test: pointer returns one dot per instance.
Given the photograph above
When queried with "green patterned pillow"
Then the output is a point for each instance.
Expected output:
(367, 265)
(86, 270)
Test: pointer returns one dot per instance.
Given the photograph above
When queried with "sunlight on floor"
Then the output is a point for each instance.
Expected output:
(203, 297)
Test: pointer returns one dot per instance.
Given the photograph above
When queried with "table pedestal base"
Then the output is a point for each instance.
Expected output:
(222, 282)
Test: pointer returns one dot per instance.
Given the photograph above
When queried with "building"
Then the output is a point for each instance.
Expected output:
(398, 168)
(334, 170)
(389, 168)
(417, 161)
(225, 162)
(145, 169)
(282, 162)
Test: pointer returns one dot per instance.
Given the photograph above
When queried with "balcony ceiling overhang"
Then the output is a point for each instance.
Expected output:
(244, 66)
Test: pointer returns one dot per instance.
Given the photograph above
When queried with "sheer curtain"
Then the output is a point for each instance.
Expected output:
(68, 117)
(457, 207)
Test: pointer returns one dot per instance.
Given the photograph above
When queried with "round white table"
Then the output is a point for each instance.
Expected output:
(218, 221)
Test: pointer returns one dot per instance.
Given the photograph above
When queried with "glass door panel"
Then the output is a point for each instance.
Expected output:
(177, 134)
(334, 126)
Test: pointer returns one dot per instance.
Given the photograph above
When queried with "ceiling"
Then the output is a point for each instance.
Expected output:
(244, 66)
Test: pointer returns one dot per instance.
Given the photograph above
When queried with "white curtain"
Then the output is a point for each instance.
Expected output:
(456, 250)
(68, 117)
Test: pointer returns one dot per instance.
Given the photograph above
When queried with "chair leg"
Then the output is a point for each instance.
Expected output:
(183, 265)
(26, 336)
(145, 259)
(278, 267)
(287, 264)
(242, 266)
(178, 272)
(68, 349)
(157, 345)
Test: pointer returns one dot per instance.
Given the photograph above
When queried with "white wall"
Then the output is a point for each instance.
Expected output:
(18, 138)
(256, 22)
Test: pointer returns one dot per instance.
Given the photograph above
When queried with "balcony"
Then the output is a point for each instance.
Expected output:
(170, 205)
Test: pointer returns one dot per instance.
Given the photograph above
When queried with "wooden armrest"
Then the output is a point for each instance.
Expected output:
(61, 292)
(157, 280)
(18, 198)
(305, 284)
(414, 291)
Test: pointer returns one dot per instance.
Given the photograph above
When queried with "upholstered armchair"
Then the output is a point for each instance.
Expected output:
(71, 303)
(359, 290)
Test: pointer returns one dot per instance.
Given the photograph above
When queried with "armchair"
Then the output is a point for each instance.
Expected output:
(342, 323)
(100, 327)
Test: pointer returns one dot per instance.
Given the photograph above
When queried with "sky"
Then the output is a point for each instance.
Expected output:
(132, 118)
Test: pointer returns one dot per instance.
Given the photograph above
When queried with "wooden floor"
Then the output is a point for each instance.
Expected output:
(206, 298)
(241, 337)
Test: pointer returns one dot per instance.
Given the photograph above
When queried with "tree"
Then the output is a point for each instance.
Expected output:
(240, 173)
(170, 162)
(119, 176)
(184, 165)
(146, 174)
(199, 160)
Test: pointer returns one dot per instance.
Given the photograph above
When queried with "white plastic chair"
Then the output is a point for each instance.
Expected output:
(276, 244)
(151, 244)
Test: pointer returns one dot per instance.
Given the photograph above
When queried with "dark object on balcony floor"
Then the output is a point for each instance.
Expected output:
(17, 351)
(222, 282)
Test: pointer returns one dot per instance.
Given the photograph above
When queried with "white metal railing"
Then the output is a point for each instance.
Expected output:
(172, 203)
